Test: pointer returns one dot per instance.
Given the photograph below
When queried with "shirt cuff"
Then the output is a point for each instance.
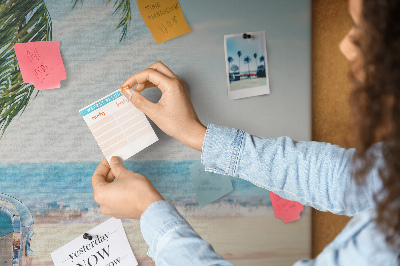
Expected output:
(222, 148)
(157, 220)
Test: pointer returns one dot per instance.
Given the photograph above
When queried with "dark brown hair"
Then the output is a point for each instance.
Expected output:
(375, 102)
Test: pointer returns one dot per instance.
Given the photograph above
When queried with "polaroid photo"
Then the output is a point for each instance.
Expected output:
(246, 64)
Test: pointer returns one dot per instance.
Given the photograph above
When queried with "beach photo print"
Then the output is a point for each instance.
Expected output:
(246, 64)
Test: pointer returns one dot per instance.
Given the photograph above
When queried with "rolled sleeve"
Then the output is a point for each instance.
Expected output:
(221, 149)
(316, 174)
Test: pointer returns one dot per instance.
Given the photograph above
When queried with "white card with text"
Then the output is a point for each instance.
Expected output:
(109, 247)
(118, 126)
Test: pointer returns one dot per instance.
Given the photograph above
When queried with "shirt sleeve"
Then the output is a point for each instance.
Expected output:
(313, 173)
(172, 241)
(359, 243)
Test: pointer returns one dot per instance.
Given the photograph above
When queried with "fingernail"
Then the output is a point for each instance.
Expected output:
(115, 160)
(128, 94)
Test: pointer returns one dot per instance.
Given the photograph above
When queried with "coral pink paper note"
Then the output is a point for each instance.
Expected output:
(41, 63)
(284, 209)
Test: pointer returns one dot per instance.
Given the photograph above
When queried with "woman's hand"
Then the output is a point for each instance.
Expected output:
(174, 112)
(127, 197)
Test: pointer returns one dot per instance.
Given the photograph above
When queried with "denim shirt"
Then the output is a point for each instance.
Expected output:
(312, 173)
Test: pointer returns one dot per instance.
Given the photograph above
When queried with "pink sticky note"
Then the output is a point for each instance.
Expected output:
(284, 209)
(41, 63)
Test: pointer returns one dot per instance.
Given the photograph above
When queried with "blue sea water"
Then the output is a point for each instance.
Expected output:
(43, 187)
(5, 224)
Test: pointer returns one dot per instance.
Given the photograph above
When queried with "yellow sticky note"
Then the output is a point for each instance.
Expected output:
(164, 18)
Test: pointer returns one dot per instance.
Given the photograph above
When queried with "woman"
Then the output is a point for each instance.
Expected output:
(362, 182)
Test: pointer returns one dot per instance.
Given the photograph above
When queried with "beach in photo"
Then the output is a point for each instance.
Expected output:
(246, 64)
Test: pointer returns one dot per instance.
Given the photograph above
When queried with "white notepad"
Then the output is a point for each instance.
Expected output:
(118, 126)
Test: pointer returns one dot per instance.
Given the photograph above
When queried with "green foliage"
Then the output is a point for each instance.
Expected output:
(76, 3)
(29, 21)
(123, 6)
(20, 21)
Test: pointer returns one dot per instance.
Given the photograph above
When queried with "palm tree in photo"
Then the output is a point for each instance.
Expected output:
(230, 60)
(262, 59)
(247, 61)
(239, 53)
(255, 60)
(234, 68)
(261, 68)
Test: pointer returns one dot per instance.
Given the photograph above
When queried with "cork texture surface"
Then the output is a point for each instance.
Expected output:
(330, 99)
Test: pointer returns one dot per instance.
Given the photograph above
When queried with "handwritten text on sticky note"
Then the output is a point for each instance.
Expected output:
(284, 209)
(108, 246)
(41, 63)
(164, 18)
(209, 186)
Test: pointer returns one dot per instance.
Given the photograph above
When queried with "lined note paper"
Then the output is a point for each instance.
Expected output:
(118, 126)
(164, 18)
(41, 63)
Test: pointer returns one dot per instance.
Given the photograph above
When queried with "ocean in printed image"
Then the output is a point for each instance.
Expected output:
(60, 198)
(66, 187)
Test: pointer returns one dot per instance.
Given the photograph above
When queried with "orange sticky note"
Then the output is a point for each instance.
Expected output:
(164, 18)
(284, 209)
(41, 63)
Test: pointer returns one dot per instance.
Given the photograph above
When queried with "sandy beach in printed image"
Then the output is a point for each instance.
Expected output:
(64, 210)
(272, 242)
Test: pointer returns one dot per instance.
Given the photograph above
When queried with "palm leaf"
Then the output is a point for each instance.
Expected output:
(76, 2)
(123, 6)
(20, 21)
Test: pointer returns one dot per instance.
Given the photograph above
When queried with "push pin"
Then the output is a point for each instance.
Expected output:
(125, 88)
(87, 236)
(246, 36)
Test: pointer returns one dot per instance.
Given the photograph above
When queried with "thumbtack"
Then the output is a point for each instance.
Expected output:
(246, 36)
(87, 236)
(124, 88)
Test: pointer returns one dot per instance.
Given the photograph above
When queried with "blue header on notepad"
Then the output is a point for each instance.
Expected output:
(100, 103)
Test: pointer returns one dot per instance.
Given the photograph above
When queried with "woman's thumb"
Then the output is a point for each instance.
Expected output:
(138, 100)
(116, 166)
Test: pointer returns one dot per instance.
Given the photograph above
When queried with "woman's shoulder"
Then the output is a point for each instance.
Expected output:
(363, 239)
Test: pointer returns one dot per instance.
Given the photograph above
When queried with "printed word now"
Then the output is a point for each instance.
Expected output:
(95, 258)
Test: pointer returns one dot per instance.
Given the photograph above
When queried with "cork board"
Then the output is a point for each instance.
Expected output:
(49, 154)
(330, 94)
